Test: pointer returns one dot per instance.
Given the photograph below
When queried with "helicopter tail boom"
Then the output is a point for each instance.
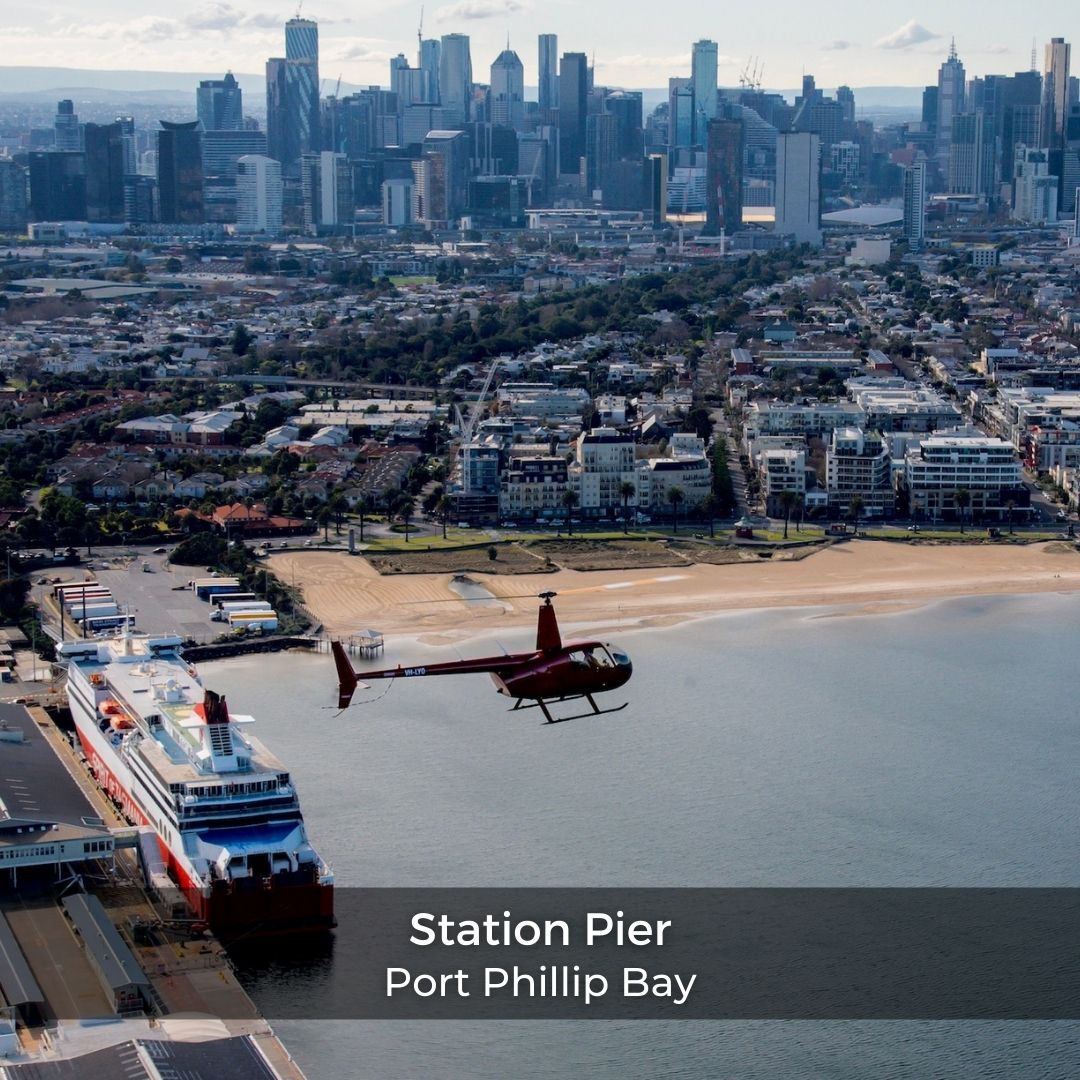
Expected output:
(347, 680)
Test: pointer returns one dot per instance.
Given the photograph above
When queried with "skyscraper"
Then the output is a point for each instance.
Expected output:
(680, 113)
(507, 92)
(219, 103)
(723, 178)
(950, 100)
(258, 195)
(915, 205)
(67, 134)
(57, 185)
(13, 208)
(455, 79)
(549, 72)
(429, 64)
(179, 170)
(327, 186)
(104, 172)
(656, 177)
(798, 187)
(971, 155)
(1035, 188)
(703, 80)
(292, 94)
(846, 97)
(573, 92)
(1055, 93)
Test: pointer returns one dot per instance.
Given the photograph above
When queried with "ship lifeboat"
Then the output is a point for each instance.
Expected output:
(120, 723)
(110, 707)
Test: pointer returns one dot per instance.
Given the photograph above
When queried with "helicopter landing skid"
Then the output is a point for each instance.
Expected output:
(548, 718)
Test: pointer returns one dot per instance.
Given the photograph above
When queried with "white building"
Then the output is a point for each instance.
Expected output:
(857, 463)
(781, 470)
(398, 197)
(258, 195)
(533, 488)
(1035, 190)
(604, 461)
(915, 205)
(685, 466)
(798, 187)
(939, 466)
(543, 401)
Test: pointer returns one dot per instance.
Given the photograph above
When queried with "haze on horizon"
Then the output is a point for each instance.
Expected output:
(853, 43)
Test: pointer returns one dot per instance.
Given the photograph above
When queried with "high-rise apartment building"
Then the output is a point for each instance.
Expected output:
(656, 182)
(548, 89)
(703, 78)
(179, 173)
(455, 79)
(221, 151)
(971, 155)
(798, 187)
(326, 180)
(220, 104)
(573, 96)
(506, 95)
(258, 195)
(915, 205)
(1035, 188)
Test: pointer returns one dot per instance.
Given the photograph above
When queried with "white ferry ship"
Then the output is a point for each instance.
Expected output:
(225, 810)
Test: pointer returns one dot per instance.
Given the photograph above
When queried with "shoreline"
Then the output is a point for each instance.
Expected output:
(347, 595)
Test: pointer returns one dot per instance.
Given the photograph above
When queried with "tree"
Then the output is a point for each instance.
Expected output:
(406, 507)
(787, 501)
(627, 490)
(324, 517)
(709, 507)
(1010, 506)
(675, 496)
(365, 505)
(962, 498)
(442, 508)
(855, 508)
(569, 500)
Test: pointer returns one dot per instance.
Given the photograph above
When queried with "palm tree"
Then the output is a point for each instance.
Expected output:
(365, 505)
(324, 517)
(569, 500)
(1010, 506)
(406, 507)
(787, 501)
(709, 506)
(442, 508)
(626, 492)
(962, 498)
(675, 496)
(855, 509)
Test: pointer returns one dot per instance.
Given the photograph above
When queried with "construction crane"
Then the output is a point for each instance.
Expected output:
(469, 429)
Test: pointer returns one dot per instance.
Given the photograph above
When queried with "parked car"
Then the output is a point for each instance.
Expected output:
(160, 550)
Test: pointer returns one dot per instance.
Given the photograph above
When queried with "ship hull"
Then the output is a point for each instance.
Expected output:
(284, 903)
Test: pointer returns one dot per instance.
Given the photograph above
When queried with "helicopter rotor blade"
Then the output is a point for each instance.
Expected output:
(607, 587)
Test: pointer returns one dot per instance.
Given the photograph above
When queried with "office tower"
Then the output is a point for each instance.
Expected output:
(104, 150)
(67, 134)
(507, 92)
(179, 173)
(445, 176)
(302, 39)
(455, 79)
(221, 150)
(548, 73)
(656, 195)
(1055, 93)
(292, 94)
(258, 195)
(140, 200)
(1021, 117)
(494, 149)
(219, 103)
(14, 212)
(398, 199)
(599, 148)
(538, 163)
(950, 103)
(798, 187)
(846, 98)
(57, 185)
(703, 80)
(915, 205)
(971, 155)
(326, 180)
(723, 176)
(625, 107)
(573, 95)
(429, 64)
(1035, 188)
(929, 108)
(680, 113)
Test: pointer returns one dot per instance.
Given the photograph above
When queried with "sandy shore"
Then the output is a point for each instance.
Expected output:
(347, 595)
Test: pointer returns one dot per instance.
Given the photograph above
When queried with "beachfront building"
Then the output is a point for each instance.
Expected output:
(603, 462)
(782, 469)
(937, 467)
(532, 489)
(684, 466)
(809, 418)
(858, 464)
(906, 408)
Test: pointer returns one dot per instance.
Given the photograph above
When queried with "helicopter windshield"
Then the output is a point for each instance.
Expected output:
(618, 656)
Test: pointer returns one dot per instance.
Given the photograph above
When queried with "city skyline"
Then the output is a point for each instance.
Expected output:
(865, 47)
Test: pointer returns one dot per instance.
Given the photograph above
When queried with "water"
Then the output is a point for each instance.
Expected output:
(782, 748)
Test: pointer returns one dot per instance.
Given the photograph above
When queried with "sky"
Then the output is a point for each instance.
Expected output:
(635, 44)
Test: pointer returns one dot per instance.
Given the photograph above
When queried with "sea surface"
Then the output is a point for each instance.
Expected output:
(936, 746)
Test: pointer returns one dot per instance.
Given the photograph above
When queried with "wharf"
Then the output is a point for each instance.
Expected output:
(45, 778)
(224, 649)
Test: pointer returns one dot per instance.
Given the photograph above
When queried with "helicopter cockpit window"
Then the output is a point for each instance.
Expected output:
(620, 657)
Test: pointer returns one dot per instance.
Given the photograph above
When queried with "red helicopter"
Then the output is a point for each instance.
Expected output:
(550, 674)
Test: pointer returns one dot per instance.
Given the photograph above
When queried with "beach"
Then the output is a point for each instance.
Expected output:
(346, 595)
